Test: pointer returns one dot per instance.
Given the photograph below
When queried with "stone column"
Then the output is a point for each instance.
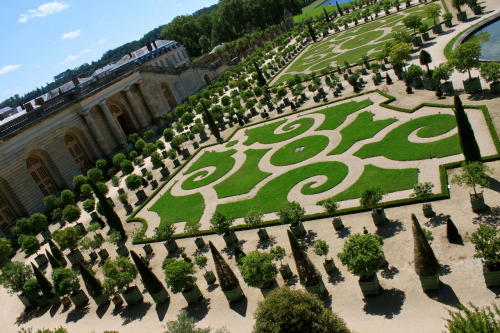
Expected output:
(152, 106)
(95, 132)
(118, 134)
(135, 108)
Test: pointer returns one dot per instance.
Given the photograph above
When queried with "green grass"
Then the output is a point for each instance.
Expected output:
(362, 39)
(174, 209)
(273, 195)
(396, 146)
(223, 162)
(354, 55)
(245, 179)
(265, 134)
(390, 180)
(308, 147)
(336, 115)
(232, 143)
(360, 129)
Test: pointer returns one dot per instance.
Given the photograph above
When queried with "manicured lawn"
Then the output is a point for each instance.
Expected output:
(336, 115)
(245, 179)
(223, 162)
(174, 209)
(362, 39)
(232, 143)
(390, 180)
(395, 145)
(265, 134)
(299, 150)
(360, 129)
(273, 195)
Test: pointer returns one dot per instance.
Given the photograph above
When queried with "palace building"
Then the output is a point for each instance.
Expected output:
(45, 142)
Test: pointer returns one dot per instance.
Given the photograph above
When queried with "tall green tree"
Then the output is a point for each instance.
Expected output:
(308, 274)
(466, 57)
(468, 142)
(109, 213)
(426, 263)
(312, 33)
(56, 252)
(93, 285)
(45, 285)
(227, 279)
(210, 121)
(260, 77)
(53, 262)
(149, 279)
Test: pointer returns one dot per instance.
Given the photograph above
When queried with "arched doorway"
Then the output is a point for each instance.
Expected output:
(207, 79)
(77, 152)
(7, 214)
(122, 120)
(41, 175)
(168, 95)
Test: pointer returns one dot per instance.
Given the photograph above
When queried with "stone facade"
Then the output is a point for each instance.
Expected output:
(43, 149)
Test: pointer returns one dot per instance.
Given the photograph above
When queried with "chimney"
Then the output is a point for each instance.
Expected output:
(75, 81)
(39, 100)
(28, 107)
(150, 48)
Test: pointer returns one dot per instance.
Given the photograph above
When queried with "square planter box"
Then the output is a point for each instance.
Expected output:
(41, 259)
(93, 256)
(426, 37)
(430, 282)
(285, 271)
(171, 245)
(267, 290)
(317, 289)
(164, 172)
(28, 300)
(298, 230)
(329, 266)
(79, 298)
(161, 296)
(472, 86)
(263, 234)
(121, 191)
(129, 209)
(427, 210)
(477, 10)
(495, 88)
(492, 278)
(100, 300)
(154, 184)
(103, 254)
(346, 76)
(477, 202)
(230, 238)
(192, 295)
(42, 300)
(234, 295)
(147, 249)
(462, 16)
(117, 300)
(74, 256)
(141, 195)
(98, 237)
(176, 163)
(54, 300)
(364, 71)
(122, 251)
(132, 295)
(370, 287)
(337, 223)
(46, 234)
(429, 83)
(378, 216)
(448, 24)
(447, 87)
(200, 243)
(209, 277)
(437, 29)
(418, 83)
(144, 171)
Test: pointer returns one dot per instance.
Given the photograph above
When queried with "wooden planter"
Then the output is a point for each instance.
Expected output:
(100, 300)
(263, 234)
(28, 300)
(429, 83)
(209, 277)
(46, 234)
(161, 296)
(79, 298)
(337, 223)
(437, 29)
(426, 37)
(65, 301)
(117, 300)
(477, 201)
(74, 256)
(285, 271)
(370, 287)
(495, 88)
(103, 254)
(230, 238)
(491, 278)
(417, 41)
(477, 10)
(41, 259)
(267, 290)
(93, 256)
(329, 266)
(147, 249)
(378, 216)
(193, 294)
(129, 209)
(418, 82)
(171, 245)
(462, 16)
(164, 172)
(430, 282)
(234, 295)
(122, 251)
(154, 184)
(200, 243)
(427, 210)
(447, 87)
(472, 86)
(298, 229)
(448, 24)
(42, 300)
(132, 295)
(141, 195)
(317, 289)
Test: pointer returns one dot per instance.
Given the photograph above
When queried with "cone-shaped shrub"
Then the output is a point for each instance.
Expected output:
(339, 9)
(308, 274)
(93, 285)
(53, 261)
(109, 213)
(311, 31)
(211, 122)
(227, 279)
(238, 254)
(468, 141)
(426, 263)
(327, 18)
(149, 279)
(45, 285)
(452, 232)
(260, 77)
(56, 252)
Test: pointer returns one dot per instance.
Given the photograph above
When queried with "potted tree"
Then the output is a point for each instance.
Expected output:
(473, 174)
(292, 215)
(93, 285)
(179, 278)
(447, 17)
(228, 282)
(13, 278)
(201, 262)
(115, 238)
(279, 253)
(321, 248)
(443, 73)
(69, 238)
(30, 246)
(490, 71)
(362, 255)
(192, 228)
(464, 58)
(119, 274)
(30, 293)
(414, 75)
(426, 264)
(457, 4)
(433, 11)
(331, 206)
(309, 276)
(67, 286)
(165, 231)
(220, 224)
(370, 198)
(134, 183)
(152, 284)
(486, 241)
(423, 191)
(259, 271)
(253, 219)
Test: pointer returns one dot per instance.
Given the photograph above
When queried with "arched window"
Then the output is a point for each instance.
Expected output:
(168, 95)
(77, 152)
(7, 215)
(41, 176)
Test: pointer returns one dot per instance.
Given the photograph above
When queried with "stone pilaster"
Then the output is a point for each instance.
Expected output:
(152, 107)
(95, 132)
(135, 108)
(118, 134)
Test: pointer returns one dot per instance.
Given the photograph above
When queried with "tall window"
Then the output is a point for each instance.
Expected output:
(41, 176)
(77, 152)
(7, 214)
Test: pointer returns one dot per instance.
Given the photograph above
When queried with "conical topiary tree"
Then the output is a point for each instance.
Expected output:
(211, 122)
(327, 18)
(452, 232)
(228, 281)
(93, 285)
(45, 285)
(57, 253)
(239, 254)
(149, 279)
(311, 31)
(468, 141)
(426, 263)
(339, 9)
(308, 274)
(260, 77)
(53, 261)
(109, 213)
